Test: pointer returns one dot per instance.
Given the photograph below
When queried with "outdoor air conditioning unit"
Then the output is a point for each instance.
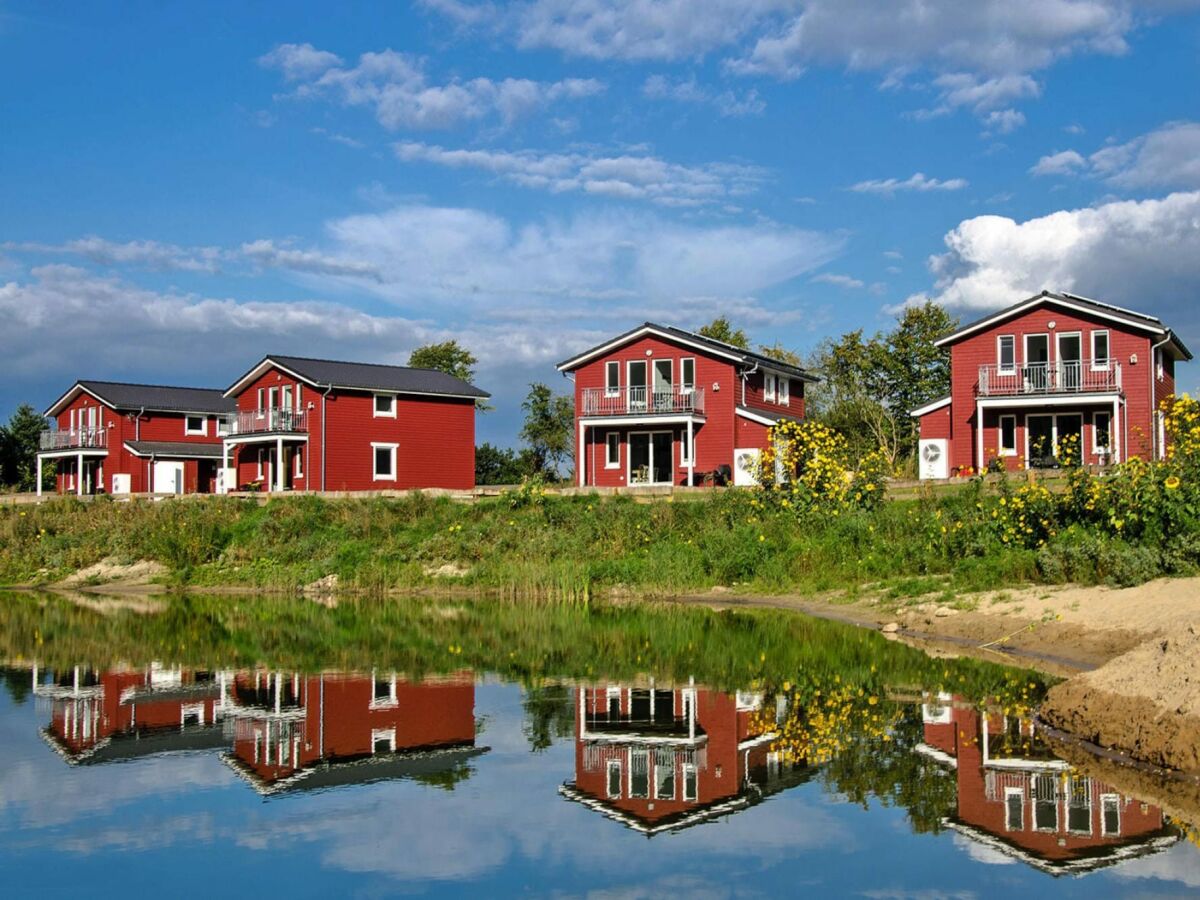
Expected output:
(934, 458)
(120, 483)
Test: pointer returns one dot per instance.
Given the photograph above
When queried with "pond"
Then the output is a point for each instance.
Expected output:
(265, 746)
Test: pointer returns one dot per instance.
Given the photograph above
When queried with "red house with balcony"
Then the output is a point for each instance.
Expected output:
(1017, 798)
(124, 438)
(316, 424)
(1051, 367)
(658, 405)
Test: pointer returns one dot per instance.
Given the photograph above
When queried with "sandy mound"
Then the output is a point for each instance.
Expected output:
(109, 571)
(1145, 703)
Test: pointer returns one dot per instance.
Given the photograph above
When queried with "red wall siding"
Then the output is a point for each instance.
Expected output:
(755, 399)
(967, 355)
(937, 424)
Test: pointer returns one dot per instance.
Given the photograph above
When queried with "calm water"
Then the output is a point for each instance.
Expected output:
(157, 776)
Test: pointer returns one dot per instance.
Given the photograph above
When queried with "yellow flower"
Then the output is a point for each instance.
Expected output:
(1172, 482)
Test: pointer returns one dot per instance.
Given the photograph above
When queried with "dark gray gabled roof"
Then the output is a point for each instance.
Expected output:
(748, 357)
(369, 377)
(154, 397)
(176, 449)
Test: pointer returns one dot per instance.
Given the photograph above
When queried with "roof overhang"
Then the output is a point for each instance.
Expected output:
(1069, 302)
(930, 407)
(269, 363)
(78, 388)
(764, 418)
(265, 365)
(575, 362)
(1034, 403)
(181, 452)
(74, 391)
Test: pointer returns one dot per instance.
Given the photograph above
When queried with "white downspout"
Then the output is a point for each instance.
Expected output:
(1155, 351)
(326, 393)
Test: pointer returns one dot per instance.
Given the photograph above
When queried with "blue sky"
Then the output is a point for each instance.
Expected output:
(182, 192)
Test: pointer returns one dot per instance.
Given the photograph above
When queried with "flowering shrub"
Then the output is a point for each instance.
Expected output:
(806, 466)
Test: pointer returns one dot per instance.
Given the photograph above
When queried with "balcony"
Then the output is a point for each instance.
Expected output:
(74, 439)
(640, 401)
(1049, 379)
(266, 421)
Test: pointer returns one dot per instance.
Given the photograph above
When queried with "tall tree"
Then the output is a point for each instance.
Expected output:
(721, 329)
(781, 353)
(18, 448)
(449, 357)
(495, 465)
(915, 371)
(549, 428)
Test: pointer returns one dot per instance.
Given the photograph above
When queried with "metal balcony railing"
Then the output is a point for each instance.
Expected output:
(266, 421)
(1079, 377)
(74, 438)
(640, 401)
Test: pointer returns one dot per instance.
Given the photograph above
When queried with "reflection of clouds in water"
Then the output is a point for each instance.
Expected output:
(981, 852)
(1179, 863)
(918, 894)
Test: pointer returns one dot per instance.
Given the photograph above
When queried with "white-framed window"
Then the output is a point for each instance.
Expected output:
(222, 426)
(298, 466)
(612, 378)
(273, 398)
(261, 454)
(784, 390)
(690, 782)
(1110, 814)
(687, 374)
(383, 740)
(769, 387)
(195, 424)
(299, 397)
(612, 450)
(287, 397)
(1008, 436)
(383, 462)
(384, 406)
(260, 406)
(1100, 349)
(639, 774)
(1006, 353)
(72, 420)
(383, 692)
(1014, 809)
(614, 779)
(664, 774)
(685, 447)
(1101, 432)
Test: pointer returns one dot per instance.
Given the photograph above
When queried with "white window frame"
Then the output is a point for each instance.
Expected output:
(72, 420)
(273, 398)
(608, 772)
(299, 401)
(768, 387)
(686, 453)
(391, 411)
(285, 398)
(1115, 799)
(260, 406)
(383, 734)
(647, 384)
(690, 769)
(1000, 448)
(1011, 792)
(612, 386)
(383, 702)
(686, 386)
(222, 426)
(1000, 367)
(297, 465)
(202, 430)
(610, 439)
(1097, 364)
(375, 447)
(783, 390)
(1096, 448)
(260, 463)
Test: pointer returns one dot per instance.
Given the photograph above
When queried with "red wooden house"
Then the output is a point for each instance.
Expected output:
(121, 438)
(1016, 798)
(662, 406)
(660, 760)
(1052, 366)
(315, 424)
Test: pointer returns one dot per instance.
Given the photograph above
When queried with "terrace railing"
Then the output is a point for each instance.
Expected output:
(266, 421)
(74, 438)
(1080, 377)
(641, 401)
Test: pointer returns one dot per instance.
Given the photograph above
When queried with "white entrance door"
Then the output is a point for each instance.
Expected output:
(168, 478)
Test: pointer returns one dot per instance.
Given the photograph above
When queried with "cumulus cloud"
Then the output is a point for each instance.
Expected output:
(626, 176)
(1168, 157)
(1143, 253)
(917, 182)
(397, 89)
(842, 281)
(726, 103)
(1066, 162)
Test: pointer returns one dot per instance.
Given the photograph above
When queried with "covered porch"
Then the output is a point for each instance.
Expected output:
(638, 451)
(1050, 432)
(276, 462)
(80, 470)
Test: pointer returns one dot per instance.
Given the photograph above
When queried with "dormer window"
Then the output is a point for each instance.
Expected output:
(385, 406)
(195, 425)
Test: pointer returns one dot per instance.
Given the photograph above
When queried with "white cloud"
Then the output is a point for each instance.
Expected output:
(917, 182)
(297, 61)
(140, 254)
(268, 254)
(1167, 157)
(1066, 162)
(396, 87)
(1003, 121)
(627, 177)
(842, 281)
(1139, 253)
(727, 102)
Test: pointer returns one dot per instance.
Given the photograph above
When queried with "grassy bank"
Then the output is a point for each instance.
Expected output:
(571, 548)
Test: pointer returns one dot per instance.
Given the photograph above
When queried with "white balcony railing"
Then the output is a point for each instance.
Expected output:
(1082, 377)
(640, 401)
(266, 421)
(74, 438)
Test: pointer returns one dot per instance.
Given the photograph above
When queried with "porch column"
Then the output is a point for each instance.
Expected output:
(581, 458)
(279, 464)
(691, 454)
(979, 438)
(223, 486)
(79, 476)
(39, 474)
(1114, 439)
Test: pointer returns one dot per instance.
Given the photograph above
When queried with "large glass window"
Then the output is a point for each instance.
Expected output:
(612, 450)
(1100, 349)
(1006, 347)
(687, 375)
(1008, 435)
(612, 379)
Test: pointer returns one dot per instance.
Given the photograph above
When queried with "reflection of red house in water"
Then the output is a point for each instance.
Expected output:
(308, 731)
(1016, 797)
(663, 759)
(119, 714)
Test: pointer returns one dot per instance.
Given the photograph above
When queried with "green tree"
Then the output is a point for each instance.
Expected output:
(915, 372)
(496, 465)
(779, 352)
(549, 428)
(18, 448)
(449, 357)
(721, 329)
(549, 714)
